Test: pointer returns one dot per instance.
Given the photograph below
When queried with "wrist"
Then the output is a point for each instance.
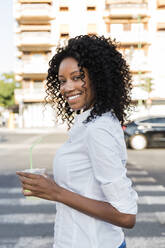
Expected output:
(58, 193)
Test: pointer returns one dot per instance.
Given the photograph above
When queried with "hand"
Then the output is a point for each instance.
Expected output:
(40, 186)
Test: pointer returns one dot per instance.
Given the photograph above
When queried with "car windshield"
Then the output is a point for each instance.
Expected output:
(154, 120)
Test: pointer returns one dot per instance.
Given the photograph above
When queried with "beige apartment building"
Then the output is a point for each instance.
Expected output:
(139, 26)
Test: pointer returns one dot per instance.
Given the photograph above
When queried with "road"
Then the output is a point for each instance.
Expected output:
(29, 222)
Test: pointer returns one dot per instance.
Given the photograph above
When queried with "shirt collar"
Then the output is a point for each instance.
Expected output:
(82, 117)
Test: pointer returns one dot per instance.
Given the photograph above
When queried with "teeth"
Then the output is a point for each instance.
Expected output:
(73, 97)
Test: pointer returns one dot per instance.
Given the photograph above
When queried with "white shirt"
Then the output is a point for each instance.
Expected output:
(92, 163)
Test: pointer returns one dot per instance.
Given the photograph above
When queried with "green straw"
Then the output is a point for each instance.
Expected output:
(31, 149)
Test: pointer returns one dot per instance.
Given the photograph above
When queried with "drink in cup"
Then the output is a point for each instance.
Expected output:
(38, 171)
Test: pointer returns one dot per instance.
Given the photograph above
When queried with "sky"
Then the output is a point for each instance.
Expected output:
(6, 36)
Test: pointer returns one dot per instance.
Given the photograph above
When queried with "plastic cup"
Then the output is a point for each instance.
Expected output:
(38, 171)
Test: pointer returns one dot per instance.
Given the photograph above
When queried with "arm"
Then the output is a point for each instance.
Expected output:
(46, 188)
(97, 209)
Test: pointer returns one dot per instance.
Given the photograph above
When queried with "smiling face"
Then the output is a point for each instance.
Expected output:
(78, 94)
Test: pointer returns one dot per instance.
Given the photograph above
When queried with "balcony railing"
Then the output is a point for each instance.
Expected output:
(38, 40)
(160, 3)
(34, 12)
(139, 65)
(126, 1)
(35, 1)
(33, 70)
(128, 10)
(29, 95)
(131, 37)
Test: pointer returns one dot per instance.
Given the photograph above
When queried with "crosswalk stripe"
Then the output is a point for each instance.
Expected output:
(37, 242)
(152, 200)
(145, 242)
(27, 218)
(25, 202)
(161, 217)
(151, 217)
(10, 190)
(34, 242)
(27, 146)
(143, 179)
(137, 172)
(149, 188)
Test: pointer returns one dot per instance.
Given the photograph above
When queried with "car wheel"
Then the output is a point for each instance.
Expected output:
(138, 142)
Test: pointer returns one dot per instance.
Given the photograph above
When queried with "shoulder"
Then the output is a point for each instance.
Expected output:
(106, 128)
(105, 134)
(107, 121)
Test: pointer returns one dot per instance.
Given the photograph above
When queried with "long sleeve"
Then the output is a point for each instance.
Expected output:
(107, 152)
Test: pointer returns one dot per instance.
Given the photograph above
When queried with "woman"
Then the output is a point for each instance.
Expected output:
(89, 82)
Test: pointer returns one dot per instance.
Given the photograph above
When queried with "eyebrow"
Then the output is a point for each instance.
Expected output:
(70, 74)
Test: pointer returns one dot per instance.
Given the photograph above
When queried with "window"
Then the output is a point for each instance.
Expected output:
(145, 26)
(64, 31)
(26, 83)
(64, 35)
(91, 8)
(108, 27)
(64, 8)
(154, 120)
(127, 26)
(91, 29)
(38, 84)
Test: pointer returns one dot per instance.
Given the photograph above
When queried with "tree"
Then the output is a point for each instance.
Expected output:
(7, 86)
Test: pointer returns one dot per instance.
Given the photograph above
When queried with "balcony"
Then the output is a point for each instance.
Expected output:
(35, 1)
(29, 95)
(35, 41)
(38, 13)
(131, 37)
(140, 65)
(33, 70)
(126, 1)
(128, 11)
(160, 3)
(161, 26)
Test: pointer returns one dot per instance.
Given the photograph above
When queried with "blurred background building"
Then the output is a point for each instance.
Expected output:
(138, 25)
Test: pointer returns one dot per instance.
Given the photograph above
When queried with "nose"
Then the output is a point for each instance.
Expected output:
(69, 86)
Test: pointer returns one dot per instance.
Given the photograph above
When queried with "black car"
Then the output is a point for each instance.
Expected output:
(145, 132)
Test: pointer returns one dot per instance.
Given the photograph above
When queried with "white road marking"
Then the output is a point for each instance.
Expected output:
(25, 202)
(145, 242)
(146, 217)
(151, 217)
(153, 188)
(37, 242)
(10, 190)
(160, 200)
(143, 179)
(137, 172)
(27, 146)
(27, 218)
(161, 217)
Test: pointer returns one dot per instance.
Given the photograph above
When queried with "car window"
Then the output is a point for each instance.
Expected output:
(154, 120)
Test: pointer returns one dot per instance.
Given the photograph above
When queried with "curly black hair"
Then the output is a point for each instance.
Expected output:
(108, 72)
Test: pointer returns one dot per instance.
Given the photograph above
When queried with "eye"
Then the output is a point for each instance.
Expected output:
(76, 78)
(61, 82)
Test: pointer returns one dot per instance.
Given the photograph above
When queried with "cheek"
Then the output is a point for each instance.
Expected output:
(61, 90)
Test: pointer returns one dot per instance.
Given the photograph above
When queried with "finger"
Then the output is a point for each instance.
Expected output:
(27, 192)
(28, 175)
(27, 180)
(28, 187)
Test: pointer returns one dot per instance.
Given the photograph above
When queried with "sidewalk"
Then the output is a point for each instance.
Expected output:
(59, 129)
